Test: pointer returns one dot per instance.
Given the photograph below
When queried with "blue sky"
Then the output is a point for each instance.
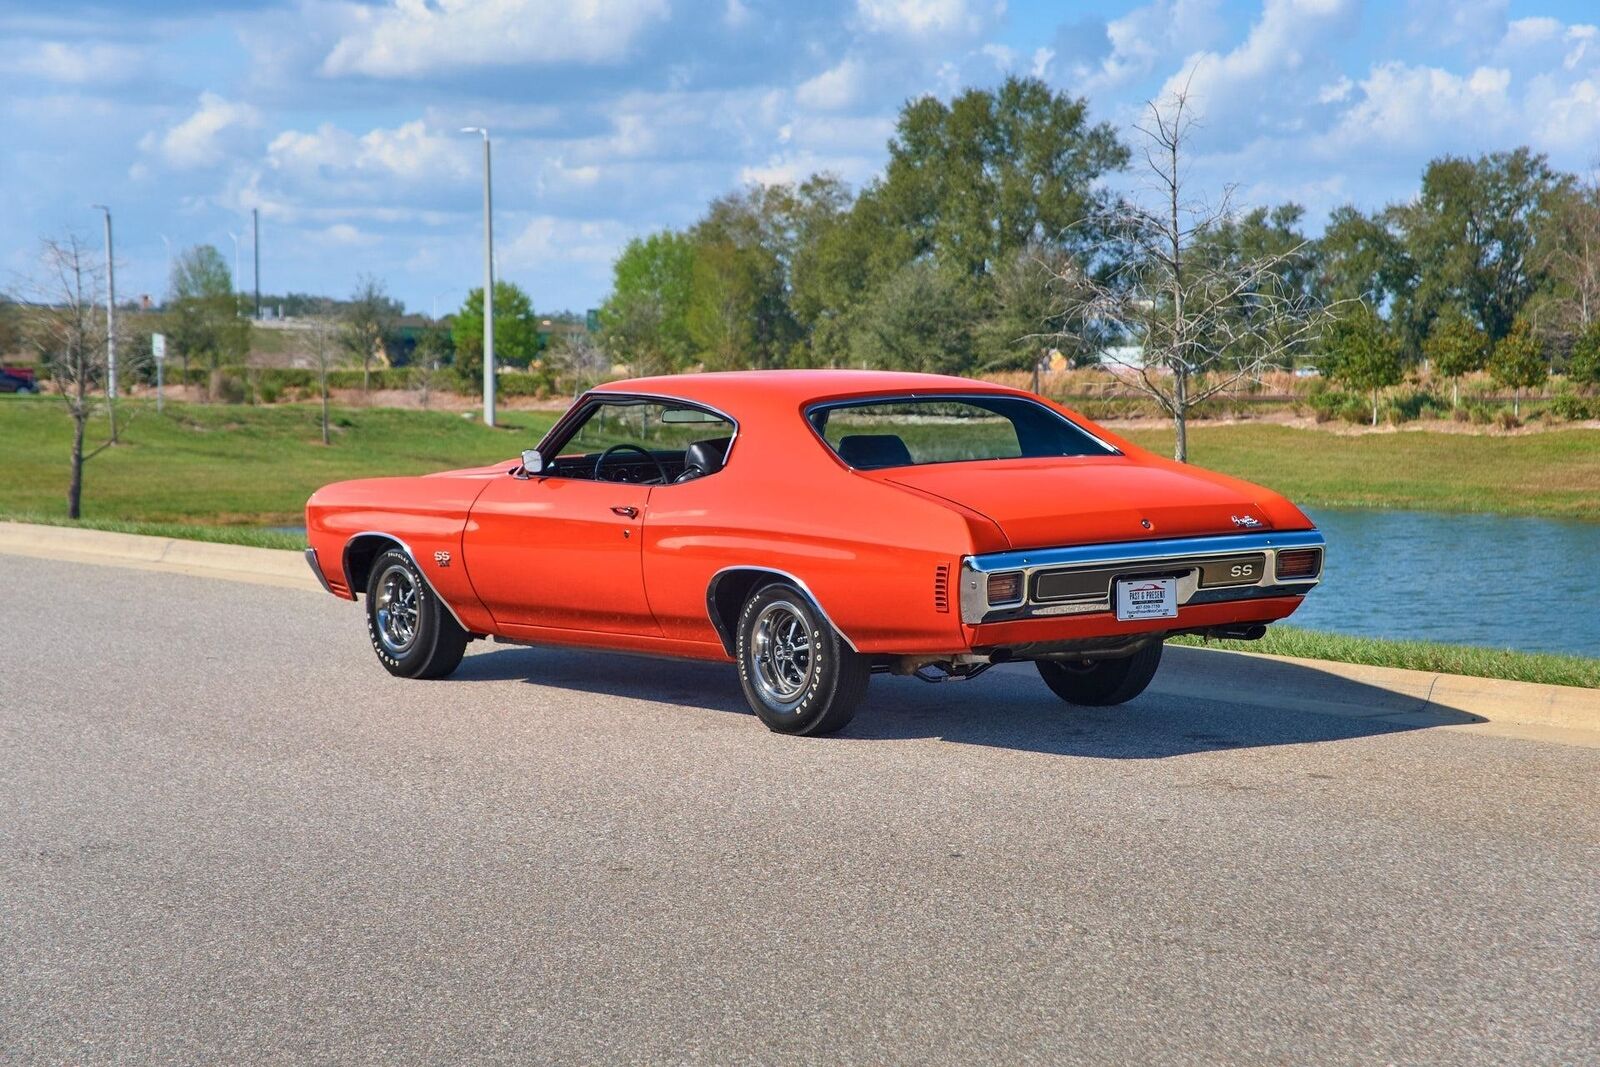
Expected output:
(339, 119)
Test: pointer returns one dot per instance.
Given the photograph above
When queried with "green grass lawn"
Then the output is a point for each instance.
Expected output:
(241, 465)
(1556, 473)
(232, 465)
(1419, 656)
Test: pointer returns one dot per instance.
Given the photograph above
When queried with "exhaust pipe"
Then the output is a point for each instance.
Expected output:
(1250, 631)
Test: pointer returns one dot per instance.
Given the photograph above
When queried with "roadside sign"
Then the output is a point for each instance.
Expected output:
(158, 346)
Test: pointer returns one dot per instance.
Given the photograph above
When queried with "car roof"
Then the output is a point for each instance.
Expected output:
(795, 387)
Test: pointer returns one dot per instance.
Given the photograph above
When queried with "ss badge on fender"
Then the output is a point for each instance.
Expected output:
(442, 558)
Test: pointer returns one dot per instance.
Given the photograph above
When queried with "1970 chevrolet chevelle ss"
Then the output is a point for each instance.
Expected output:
(815, 527)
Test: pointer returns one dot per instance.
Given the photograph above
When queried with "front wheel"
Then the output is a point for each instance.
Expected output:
(1101, 682)
(414, 635)
(798, 674)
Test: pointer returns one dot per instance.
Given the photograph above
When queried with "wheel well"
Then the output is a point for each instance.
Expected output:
(729, 590)
(358, 556)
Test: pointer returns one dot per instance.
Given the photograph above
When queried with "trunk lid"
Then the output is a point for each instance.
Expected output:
(1089, 500)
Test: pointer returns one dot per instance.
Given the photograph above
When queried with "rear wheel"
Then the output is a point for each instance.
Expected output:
(798, 674)
(412, 632)
(1101, 682)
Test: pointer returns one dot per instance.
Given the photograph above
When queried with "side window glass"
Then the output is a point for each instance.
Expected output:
(644, 442)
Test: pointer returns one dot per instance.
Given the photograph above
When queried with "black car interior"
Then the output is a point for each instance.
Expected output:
(638, 465)
(870, 451)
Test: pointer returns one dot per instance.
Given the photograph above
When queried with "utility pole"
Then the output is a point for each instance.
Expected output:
(255, 244)
(111, 326)
(488, 280)
(234, 281)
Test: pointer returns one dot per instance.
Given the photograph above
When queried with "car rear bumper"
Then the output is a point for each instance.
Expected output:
(1077, 582)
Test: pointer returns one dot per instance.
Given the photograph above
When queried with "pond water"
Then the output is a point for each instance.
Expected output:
(1501, 581)
(1491, 580)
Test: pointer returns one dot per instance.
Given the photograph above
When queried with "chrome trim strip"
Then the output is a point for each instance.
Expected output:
(730, 640)
(316, 568)
(354, 592)
(1186, 551)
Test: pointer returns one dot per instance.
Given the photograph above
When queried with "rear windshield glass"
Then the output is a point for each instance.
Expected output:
(904, 432)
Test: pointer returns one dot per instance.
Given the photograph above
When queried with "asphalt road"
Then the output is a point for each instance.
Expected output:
(229, 836)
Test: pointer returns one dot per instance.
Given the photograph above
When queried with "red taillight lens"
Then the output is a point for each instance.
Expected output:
(1005, 588)
(1300, 563)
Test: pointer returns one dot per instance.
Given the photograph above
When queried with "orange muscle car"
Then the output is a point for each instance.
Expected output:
(816, 527)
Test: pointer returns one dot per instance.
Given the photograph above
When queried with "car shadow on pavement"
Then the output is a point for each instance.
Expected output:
(1201, 701)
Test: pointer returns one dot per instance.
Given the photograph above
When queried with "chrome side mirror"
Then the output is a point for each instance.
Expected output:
(532, 462)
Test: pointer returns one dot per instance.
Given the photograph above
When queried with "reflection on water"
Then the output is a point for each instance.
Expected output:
(1523, 583)
(1529, 584)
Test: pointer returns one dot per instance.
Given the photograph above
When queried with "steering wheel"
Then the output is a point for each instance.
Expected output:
(651, 456)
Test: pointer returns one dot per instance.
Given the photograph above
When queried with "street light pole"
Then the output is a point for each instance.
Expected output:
(255, 247)
(111, 326)
(235, 285)
(488, 280)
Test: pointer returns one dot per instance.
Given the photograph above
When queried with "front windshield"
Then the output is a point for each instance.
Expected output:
(909, 431)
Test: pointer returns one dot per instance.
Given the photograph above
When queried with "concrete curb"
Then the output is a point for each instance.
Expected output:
(1283, 683)
(238, 563)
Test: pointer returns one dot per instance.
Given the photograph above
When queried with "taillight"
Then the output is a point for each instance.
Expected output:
(1299, 563)
(1005, 588)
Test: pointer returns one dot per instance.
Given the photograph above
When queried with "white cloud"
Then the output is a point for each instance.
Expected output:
(72, 64)
(408, 152)
(1150, 34)
(1423, 108)
(413, 37)
(547, 238)
(206, 136)
(928, 18)
(833, 89)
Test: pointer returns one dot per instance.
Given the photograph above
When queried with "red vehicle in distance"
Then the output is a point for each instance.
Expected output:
(815, 528)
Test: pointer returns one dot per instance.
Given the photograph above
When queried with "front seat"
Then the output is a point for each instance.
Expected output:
(869, 451)
(703, 458)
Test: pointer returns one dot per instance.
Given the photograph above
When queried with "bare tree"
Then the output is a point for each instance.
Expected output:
(580, 357)
(369, 320)
(64, 324)
(323, 332)
(1206, 318)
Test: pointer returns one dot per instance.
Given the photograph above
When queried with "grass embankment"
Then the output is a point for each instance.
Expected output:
(1554, 474)
(231, 466)
(1430, 656)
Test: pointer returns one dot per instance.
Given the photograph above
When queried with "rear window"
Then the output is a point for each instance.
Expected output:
(910, 431)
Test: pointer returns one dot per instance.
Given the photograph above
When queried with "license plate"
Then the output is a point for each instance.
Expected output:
(1147, 598)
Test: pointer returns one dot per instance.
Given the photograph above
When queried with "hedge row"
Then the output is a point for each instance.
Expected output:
(268, 383)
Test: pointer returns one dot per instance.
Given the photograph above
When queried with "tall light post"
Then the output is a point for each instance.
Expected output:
(111, 325)
(488, 279)
(167, 244)
(235, 285)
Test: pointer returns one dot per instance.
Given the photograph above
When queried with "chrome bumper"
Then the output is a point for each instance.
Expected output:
(316, 568)
(1182, 558)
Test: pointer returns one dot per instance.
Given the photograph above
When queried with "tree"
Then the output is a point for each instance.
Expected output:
(1362, 353)
(578, 357)
(1204, 321)
(1583, 366)
(919, 320)
(66, 327)
(1024, 321)
(432, 352)
(203, 318)
(1472, 230)
(1518, 362)
(516, 330)
(738, 313)
(324, 331)
(654, 272)
(368, 325)
(976, 181)
(1456, 346)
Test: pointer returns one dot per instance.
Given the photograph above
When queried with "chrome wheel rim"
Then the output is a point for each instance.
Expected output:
(782, 654)
(395, 611)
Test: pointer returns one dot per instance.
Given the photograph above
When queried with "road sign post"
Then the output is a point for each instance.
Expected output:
(158, 349)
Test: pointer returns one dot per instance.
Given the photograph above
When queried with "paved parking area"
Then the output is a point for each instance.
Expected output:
(228, 835)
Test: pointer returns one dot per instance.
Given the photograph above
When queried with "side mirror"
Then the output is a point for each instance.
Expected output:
(532, 462)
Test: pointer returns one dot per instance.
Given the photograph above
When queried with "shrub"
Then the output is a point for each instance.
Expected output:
(1417, 404)
(1507, 420)
(1571, 407)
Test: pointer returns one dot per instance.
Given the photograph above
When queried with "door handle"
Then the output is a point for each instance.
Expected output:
(625, 512)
